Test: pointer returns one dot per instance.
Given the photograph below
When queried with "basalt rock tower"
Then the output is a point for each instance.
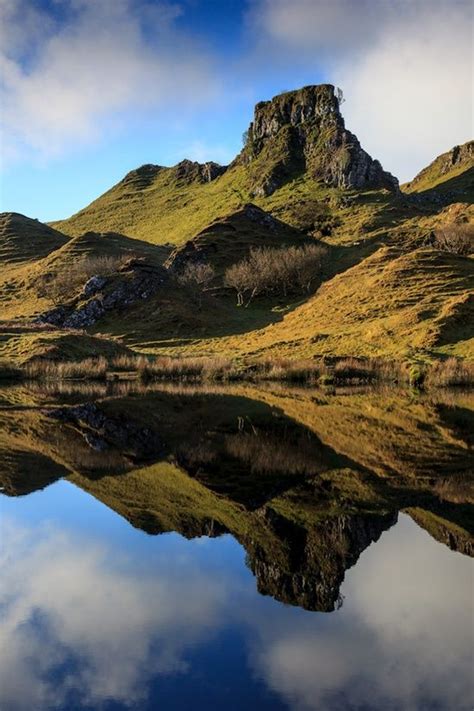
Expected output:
(303, 131)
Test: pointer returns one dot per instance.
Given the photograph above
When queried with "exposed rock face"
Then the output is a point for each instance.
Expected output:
(142, 177)
(135, 280)
(318, 558)
(304, 130)
(192, 172)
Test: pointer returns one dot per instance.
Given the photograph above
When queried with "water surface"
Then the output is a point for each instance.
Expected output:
(241, 548)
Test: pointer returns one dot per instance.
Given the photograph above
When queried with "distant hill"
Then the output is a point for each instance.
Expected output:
(297, 140)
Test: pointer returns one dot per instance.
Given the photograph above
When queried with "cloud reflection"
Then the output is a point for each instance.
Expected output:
(401, 641)
(82, 620)
(116, 627)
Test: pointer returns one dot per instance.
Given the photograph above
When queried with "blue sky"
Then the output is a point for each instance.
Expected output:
(90, 89)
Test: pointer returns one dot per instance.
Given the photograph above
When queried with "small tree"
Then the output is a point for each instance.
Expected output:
(197, 276)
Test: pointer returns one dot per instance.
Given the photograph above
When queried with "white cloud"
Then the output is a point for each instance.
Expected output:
(202, 152)
(405, 68)
(66, 83)
(402, 640)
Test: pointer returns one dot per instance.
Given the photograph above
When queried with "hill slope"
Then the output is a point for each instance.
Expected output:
(301, 176)
(23, 239)
(390, 303)
(450, 175)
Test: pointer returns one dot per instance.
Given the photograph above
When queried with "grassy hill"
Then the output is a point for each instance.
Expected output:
(449, 178)
(390, 303)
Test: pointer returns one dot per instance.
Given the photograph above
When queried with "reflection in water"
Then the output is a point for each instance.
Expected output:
(95, 612)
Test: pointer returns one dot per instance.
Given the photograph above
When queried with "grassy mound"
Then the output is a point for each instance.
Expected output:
(23, 239)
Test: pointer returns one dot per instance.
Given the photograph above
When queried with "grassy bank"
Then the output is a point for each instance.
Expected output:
(343, 371)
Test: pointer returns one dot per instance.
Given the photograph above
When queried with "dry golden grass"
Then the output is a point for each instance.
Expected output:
(87, 369)
(450, 373)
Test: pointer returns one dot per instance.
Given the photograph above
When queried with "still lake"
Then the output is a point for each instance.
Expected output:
(236, 548)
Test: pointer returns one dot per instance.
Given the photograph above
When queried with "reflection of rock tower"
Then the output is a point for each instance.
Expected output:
(314, 560)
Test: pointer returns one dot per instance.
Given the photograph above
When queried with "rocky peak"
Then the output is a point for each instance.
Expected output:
(303, 130)
(189, 171)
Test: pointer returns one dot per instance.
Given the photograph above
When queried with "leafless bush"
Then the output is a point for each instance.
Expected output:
(281, 451)
(455, 238)
(275, 271)
(197, 276)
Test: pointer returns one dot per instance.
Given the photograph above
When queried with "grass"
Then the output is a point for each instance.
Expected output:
(21, 343)
(322, 372)
(23, 239)
(450, 373)
(392, 303)
(444, 175)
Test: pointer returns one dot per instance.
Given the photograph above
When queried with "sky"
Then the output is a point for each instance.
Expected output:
(90, 89)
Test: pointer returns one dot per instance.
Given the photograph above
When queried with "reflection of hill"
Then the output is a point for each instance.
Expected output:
(304, 480)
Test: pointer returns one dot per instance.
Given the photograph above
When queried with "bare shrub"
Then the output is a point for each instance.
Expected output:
(280, 271)
(197, 276)
(455, 238)
(280, 451)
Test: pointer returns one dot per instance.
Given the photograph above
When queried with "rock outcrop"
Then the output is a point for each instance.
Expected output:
(304, 130)
(102, 432)
(189, 171)
(135, 280)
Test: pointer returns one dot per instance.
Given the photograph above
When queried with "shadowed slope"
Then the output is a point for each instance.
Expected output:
(23, 239)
